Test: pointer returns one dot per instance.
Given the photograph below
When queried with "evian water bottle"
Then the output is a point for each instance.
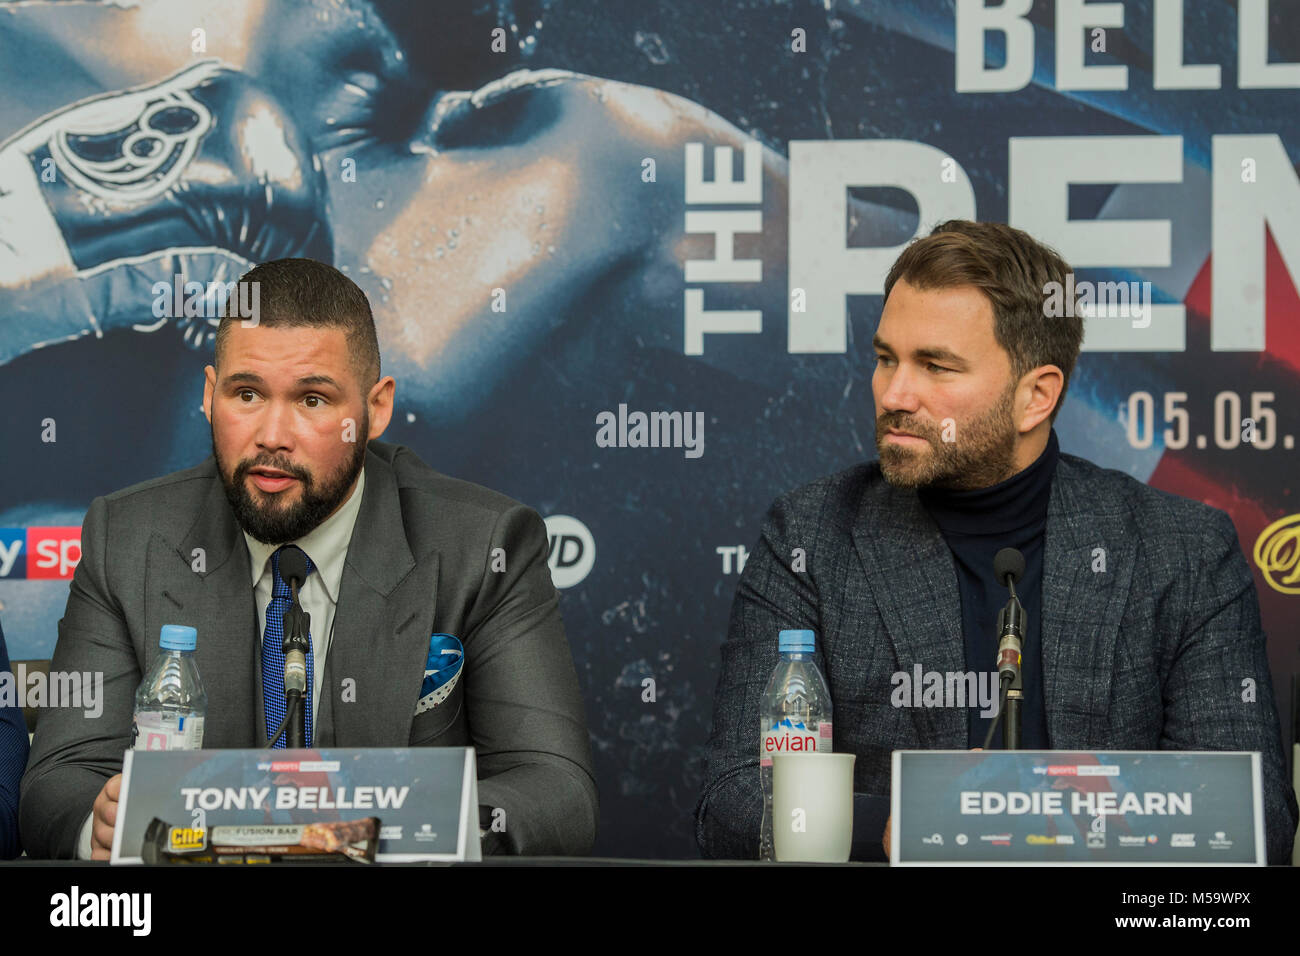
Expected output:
(796, 717)
(170, 704)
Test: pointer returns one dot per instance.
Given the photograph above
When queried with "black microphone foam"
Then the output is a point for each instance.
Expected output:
(1008, 561)
(293, 565)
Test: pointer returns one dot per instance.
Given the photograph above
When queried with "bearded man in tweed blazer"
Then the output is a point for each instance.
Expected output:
(1142, 617)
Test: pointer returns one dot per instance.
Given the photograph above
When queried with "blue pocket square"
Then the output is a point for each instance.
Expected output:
(441, 671)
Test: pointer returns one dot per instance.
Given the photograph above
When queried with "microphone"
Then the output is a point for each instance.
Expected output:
(1008, 568)
(1008, 562)
(293, 565)
(297, 624)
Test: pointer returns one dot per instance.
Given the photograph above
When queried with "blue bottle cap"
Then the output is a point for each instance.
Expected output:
(177, 637)
(801, 642)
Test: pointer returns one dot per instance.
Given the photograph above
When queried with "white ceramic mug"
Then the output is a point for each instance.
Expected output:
(812, 807)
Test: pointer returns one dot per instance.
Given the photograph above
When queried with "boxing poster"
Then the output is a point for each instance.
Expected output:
(585, 225)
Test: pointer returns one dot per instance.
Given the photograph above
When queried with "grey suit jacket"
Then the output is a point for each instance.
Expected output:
(419, 562)
(1149, 654)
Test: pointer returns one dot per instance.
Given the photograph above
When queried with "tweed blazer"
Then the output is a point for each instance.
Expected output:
(1150, 653)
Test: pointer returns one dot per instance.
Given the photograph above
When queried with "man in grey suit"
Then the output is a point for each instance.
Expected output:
(1143, 624)
(396, 553)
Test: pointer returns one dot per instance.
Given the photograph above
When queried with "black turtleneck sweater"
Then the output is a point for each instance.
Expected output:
(977, 525)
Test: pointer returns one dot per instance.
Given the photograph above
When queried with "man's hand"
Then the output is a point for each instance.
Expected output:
(105, 818)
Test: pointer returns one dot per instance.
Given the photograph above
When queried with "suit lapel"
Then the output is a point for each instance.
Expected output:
(375, 663)
(910, 572)
(203, 581)
(913, 580)
(1082, 607)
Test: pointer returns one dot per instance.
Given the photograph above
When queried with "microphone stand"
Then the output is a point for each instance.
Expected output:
(1011, 726)
(297, 627)
(1008, 566)
(1011, 624)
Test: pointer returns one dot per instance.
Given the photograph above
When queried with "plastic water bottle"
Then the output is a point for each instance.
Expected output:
(796, 717)
(170, 704)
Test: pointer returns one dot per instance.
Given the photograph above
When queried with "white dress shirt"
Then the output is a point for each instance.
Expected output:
(327, 546)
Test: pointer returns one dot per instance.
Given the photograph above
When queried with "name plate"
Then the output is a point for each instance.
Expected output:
(1044, 807)
(426, 798)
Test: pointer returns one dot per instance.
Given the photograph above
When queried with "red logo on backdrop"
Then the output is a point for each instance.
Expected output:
(52, 552)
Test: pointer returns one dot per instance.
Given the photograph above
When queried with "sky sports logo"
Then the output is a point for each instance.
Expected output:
(39, 553)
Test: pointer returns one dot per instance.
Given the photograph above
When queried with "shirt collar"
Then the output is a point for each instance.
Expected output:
(326, 544)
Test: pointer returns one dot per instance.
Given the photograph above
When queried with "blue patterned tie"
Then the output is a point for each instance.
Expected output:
(273, 656)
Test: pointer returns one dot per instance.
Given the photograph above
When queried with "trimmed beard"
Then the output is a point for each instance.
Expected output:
(982, 456)
(275, 523)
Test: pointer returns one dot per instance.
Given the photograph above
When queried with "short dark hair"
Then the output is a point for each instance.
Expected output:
(306, 293)
(1013, 269)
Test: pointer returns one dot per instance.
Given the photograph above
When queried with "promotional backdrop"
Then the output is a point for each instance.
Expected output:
(530, 195)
